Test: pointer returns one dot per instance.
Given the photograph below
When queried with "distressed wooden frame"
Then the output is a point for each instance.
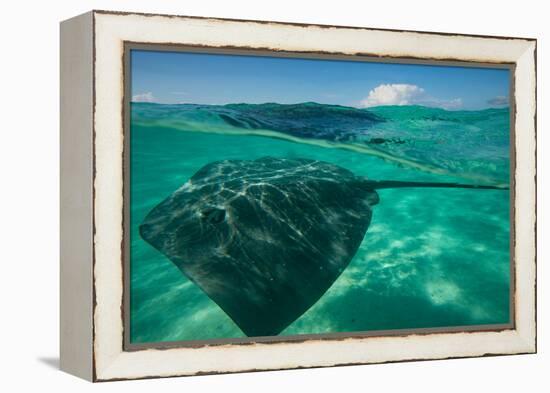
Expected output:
(92, 195)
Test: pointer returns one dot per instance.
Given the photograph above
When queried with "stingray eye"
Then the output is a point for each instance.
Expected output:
(213, 215)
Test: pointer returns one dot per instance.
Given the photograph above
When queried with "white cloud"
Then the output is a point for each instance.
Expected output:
(405, 94)
(395, 94)
(498, 101)
(455, 103)
(144, 97)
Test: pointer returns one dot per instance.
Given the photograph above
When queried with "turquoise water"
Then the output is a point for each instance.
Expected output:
(430, 258)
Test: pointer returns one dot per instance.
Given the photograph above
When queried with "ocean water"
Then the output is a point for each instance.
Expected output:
(430, 258)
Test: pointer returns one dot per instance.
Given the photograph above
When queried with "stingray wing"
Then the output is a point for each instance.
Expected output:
(294, 241)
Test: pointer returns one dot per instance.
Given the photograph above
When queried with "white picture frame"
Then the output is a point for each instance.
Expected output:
(92, 194)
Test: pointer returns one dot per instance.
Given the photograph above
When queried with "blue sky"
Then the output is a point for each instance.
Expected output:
(179, 77)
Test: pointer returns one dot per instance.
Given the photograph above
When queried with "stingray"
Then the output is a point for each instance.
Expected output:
(266, 238)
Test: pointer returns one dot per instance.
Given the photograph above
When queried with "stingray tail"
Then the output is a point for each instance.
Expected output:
(381, 184)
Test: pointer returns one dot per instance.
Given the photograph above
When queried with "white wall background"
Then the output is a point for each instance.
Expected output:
(29, 195)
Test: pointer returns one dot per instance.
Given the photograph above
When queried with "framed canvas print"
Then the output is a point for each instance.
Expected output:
(246, 195)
